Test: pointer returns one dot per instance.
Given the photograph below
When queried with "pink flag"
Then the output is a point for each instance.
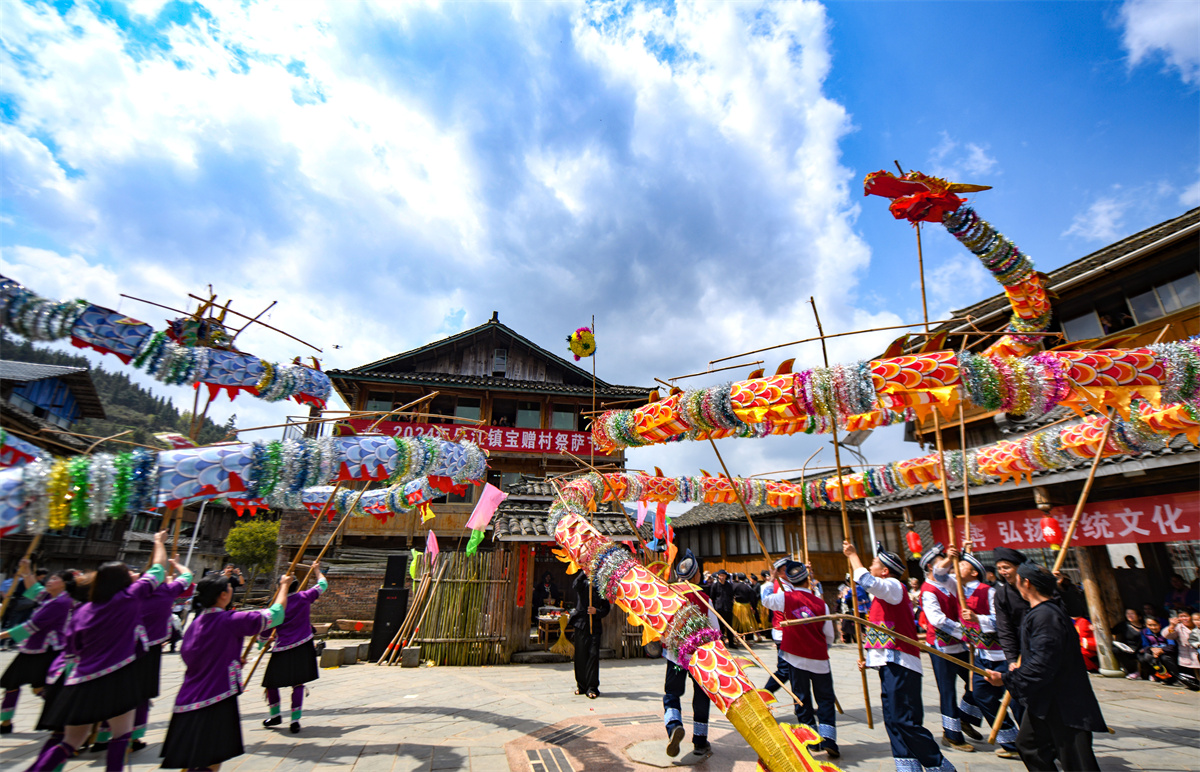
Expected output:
(431, 547)
(489, 499)
(642, 510)
(660, 521)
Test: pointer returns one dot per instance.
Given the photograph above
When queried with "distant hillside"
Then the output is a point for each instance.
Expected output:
(128, 405)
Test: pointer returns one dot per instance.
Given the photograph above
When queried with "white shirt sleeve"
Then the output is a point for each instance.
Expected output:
(933, 612)
(987, 623)
(827, 628)
(773, 601)
(888, 590)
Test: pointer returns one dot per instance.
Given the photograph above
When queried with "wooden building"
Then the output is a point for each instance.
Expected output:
(527, 407)
(1142, 510)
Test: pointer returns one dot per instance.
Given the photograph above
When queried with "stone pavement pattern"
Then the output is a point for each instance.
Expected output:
(525, 718)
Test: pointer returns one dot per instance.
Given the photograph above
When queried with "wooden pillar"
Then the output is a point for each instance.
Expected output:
(1106, 578)
(1088, 568)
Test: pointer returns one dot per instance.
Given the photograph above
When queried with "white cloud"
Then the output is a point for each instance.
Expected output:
(1103, 221)
(955, 283)
(1170, 28)
(379, 168)
(1190, 196)
(960, 161)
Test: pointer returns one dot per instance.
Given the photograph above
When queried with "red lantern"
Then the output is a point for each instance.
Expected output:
(914, 544)
(1052, 532)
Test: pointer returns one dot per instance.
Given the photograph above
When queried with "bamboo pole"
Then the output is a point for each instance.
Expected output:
(292, 567)
(592, 462)
(432, 598)
(611, 491)
(33, 543)
(711, 370)
(823, 337)
(410, 618)
(804, 509)
(745, 510)
(837, 459)
(1062, 554)
(962, 446)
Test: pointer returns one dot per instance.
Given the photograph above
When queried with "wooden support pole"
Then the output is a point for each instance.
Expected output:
(738, 494)
(804, 509)
(12, 585)
(1062, 553)
(837, 460)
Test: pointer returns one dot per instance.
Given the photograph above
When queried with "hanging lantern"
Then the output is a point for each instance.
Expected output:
(1052, 532)
(914, 544)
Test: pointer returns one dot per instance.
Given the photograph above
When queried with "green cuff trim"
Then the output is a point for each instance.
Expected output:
(296, 715)
(186, 577)
(34, 591)
(274, 614)
(322, 585)
(274, 709)
(19, 633)
(158, 572)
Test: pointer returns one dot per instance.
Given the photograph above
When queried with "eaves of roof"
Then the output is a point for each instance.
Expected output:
(492, 383)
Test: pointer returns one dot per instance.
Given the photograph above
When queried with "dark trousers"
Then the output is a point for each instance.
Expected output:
(587, 659)
(1165, 661)
(782, 673)
(986, 701)
(1040, 740)
(1014, 705)
(808, 685)
(726, 614)
(903, 715)
(947, 674)
(673, 689)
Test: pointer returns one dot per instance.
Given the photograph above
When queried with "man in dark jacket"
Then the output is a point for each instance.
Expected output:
(1050, 680)
(587, 621)
(721, 593)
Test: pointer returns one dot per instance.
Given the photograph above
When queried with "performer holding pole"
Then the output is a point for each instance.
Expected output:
(1061, 711)
(39, 640)
(805, 649)
(586, 619)
(293, 655)
(205, 727)
(677, 676)
(944, 632)
(774, 584)
(153, 631)
(979, 626)
(898, 662)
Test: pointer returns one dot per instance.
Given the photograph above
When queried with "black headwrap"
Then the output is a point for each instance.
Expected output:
(890, 560)
(1008, 554)
(1042, 580)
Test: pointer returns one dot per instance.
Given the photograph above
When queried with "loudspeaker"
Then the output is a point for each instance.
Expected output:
(391, 605)
(397, 569)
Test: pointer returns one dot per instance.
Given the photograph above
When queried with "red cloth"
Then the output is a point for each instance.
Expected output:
(806, 641)
(1087, 643)
(899, 618)
(949, 604)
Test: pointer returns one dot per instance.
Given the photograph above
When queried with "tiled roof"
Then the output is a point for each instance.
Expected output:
(496, 384)
(1085, 264)
(24, 372)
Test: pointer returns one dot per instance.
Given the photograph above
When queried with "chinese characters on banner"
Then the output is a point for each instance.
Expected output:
(522, 569)
(1174, 517)
(500, 438)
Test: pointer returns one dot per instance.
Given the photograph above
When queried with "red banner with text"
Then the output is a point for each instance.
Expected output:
(499, 438)
(1173, 517)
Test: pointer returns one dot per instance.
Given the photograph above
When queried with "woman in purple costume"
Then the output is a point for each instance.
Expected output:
(205, 727)
(38, 641)
(293, 656)
(100, 682)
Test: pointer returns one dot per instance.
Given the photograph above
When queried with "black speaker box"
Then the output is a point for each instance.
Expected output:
(391, 604)
(397, 570)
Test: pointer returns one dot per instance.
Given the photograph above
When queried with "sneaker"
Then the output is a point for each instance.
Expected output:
(1134, 677)
(831, 749)
(971, 732)
(273, 721)
(676, 737)
(136, 745)
(1005, 753)
(964, 747)
(295, 727)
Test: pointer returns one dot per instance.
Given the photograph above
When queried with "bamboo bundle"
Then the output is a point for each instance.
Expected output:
(410, 621)
(467, 610)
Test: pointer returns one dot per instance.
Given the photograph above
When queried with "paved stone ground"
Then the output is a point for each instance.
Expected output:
(526, 718)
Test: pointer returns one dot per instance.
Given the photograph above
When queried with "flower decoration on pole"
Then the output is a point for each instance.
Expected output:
(582, 343)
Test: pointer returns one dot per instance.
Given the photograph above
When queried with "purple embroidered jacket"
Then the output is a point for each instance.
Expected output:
(102, 638)
(212, 652)
(45, 629)
(296, 627)
(155, 626)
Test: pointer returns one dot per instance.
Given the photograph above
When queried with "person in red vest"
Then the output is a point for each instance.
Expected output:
(944, 632)
(677, 675)
(979, 627)
(772, 585)
(898, 662)
(805, 648)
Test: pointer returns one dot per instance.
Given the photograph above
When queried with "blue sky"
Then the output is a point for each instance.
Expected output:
(690, 174)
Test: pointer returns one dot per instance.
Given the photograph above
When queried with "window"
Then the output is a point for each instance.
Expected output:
(1187, 290)
(1145, 306)
(500, 362)
(529, 415)
(467, 408)
(508, 479)
(1166, 298)
(378, 400)
(1083, 327)
(563, 418)
(772, 533)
